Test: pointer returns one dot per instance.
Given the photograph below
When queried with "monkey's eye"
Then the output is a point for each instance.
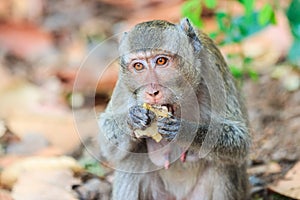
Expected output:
(161, 60)
(138, 66)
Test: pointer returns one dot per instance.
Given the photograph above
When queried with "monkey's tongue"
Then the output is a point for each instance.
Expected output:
(159, 152)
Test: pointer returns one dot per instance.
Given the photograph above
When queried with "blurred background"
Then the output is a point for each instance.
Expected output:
(44, 42)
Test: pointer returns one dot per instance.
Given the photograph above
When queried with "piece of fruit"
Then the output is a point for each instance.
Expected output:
(160, 111)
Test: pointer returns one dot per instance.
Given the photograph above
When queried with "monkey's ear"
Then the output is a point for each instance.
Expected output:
(189, 30)
(123, 36)
(123, 44)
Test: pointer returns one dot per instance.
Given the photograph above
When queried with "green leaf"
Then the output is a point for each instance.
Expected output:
(192, 9)
(92, 166)
(253, 75)
(221, 18)
(210, 3)
(248, 60)
(293, 13)
(239, 28)
(236, 72)
(273, 18)
(248, 6)
(213, 35)
(266, 14)
(294, 55)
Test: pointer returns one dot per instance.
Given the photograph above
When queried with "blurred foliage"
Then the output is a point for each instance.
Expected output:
(233, 29)
(92, 165)
(240, 72)
(243, 70)
(192, 9)
(293, 14)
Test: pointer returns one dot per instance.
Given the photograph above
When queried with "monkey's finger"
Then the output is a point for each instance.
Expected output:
(147, 115)
(168, 121)
(151, 114)
(167, 134)
(145, 120)
(137, 123)
(136, 118)
(138, 111)
(173, 128)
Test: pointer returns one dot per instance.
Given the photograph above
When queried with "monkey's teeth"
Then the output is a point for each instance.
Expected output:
(163, 107)
(166, 107)
(169, 107)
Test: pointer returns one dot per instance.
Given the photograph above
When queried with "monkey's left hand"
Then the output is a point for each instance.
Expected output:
(168, 127)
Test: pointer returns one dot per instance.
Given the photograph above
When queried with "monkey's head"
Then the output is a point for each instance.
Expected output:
(157, 61)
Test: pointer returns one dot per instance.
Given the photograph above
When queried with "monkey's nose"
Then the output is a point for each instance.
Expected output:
(153, 96)
(153, 93)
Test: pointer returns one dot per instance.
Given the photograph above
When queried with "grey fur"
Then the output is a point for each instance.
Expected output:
(220, 123)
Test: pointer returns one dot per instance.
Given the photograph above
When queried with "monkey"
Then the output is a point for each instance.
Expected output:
(205, 144)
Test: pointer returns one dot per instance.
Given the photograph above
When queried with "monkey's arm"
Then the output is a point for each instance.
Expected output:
(116, 139)
(227, 141)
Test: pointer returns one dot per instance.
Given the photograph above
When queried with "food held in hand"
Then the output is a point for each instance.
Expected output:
(160, 111)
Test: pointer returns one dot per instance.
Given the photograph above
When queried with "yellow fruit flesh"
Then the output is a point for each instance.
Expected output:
(160, 111)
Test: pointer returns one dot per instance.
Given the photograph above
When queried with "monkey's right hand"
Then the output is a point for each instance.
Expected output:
(140, 118)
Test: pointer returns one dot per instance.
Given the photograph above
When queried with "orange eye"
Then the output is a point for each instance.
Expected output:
(161, 60)
(138, 66)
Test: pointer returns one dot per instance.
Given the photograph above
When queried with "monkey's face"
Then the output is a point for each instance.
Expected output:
(153, 78)
(157, 63)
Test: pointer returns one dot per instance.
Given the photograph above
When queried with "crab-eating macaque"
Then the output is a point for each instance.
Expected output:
(205, 139)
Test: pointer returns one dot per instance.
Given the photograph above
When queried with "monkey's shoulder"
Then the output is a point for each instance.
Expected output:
(212, 52)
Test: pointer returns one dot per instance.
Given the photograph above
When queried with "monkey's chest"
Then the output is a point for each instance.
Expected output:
(180, 180)
(165, 154)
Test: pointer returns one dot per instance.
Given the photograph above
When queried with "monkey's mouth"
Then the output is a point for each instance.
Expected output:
(171, 108)
(162, 110)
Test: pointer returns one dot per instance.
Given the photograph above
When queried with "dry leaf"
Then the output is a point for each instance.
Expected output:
(7, 160)
(44, 185)
(28, 9)
(11, 173)
(28, 108)
(290, 184)
(25, 40)
(5, 195)
(263, 49)
(270, 168)
(25, 147)
(5, 76)
(59, 129)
